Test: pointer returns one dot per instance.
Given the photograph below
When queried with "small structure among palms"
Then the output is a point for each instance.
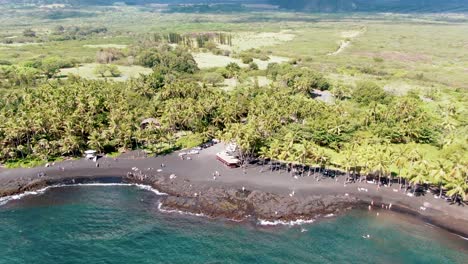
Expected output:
(150, 122)
(90, 154)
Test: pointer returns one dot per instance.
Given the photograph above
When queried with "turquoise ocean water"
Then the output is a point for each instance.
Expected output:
(122, 224)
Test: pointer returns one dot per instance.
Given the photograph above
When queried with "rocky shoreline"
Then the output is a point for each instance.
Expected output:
(238, 204)
(242, 204)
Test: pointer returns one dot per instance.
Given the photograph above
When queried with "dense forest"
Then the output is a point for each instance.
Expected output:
(367, 132)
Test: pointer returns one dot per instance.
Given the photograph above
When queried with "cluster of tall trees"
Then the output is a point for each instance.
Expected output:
(189, 40)
(32, 72)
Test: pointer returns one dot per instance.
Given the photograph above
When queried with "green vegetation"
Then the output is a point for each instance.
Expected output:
(106, 70)
(213, 78)
(398, 109)
(190, 141)
(204, 8)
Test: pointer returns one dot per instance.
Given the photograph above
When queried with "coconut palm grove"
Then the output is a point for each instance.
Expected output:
(366, 132)
(233, 131)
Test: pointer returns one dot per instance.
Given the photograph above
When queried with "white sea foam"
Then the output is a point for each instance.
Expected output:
(139, 186)
(178, 211)
(148, 188)
(6, 199)
(290, 223)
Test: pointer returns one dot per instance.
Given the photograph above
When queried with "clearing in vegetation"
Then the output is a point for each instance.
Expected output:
(87, 71)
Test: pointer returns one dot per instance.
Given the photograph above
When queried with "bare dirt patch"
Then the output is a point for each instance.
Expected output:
(343, 45)
(351, 34)
(348, 36)
(208, 60)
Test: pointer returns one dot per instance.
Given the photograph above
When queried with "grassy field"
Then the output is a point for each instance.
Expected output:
(87, 71)
(208, 60)
(400, 52)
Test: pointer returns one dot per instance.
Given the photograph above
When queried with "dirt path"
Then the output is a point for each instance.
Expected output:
(349, 36)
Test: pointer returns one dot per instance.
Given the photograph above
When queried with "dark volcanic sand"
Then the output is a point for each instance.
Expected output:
(267, 194)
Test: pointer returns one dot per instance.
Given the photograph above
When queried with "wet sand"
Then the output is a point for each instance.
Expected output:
(198, 174)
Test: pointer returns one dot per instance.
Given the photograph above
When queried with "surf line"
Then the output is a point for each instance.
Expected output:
(4, 200)
(285, 223)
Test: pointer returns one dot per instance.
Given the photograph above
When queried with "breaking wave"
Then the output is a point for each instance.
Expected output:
(285, 223)
(4, 200)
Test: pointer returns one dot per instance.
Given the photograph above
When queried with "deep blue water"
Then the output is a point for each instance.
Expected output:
(120, 224)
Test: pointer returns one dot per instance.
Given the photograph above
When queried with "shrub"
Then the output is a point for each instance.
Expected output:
(5, 62)
(367, 92)
(263, 57)
(29, 33)
(106, 70)
(246, 59)
(232, 69)
(114, 71)
(210, 45)
(378, 59)
(213, 78)
(177, 60)
(253, 66)
(190, 141)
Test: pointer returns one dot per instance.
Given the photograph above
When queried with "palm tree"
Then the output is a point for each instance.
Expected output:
(302, 153)
(400, 162)
(348, 162)
(310, 149)
(414, 156)
(322, 159)
(264, 154)
(275, 151)
(439, 174)
(419, 174)
(381, 161)
(457, 184)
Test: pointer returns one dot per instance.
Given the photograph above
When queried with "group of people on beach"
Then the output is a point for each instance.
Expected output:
(388, 207)
(215, 175)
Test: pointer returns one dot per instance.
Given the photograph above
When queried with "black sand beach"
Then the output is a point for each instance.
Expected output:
(256, 193)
